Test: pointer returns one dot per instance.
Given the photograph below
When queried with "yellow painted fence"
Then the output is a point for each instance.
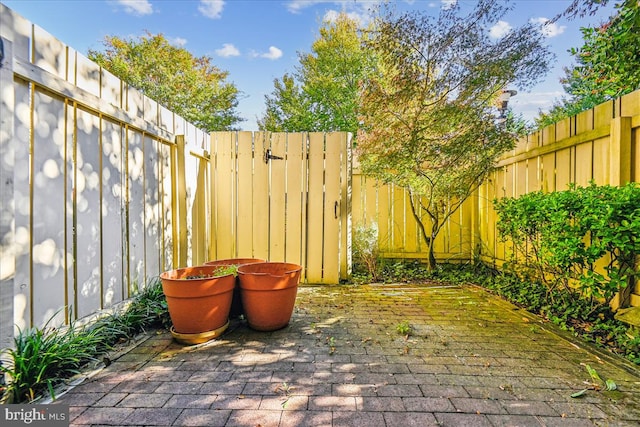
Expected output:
(101, 188)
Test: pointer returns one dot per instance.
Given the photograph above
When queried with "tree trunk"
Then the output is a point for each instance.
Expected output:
(431, 260)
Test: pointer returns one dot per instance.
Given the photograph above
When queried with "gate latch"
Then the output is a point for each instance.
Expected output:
(268, 156)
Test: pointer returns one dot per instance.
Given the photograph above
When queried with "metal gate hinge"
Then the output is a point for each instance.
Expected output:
(268, 156)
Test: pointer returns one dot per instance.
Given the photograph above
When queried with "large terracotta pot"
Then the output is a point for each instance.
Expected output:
(236, 303)
(197, 301)
(268, 292)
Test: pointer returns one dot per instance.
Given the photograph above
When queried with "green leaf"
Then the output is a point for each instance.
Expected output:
(580, 393)
(610, 385)
(594, 375)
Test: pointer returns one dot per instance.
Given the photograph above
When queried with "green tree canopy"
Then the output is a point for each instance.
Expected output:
(189, 86)
(606, 67)
(429, 114)
(322, 95)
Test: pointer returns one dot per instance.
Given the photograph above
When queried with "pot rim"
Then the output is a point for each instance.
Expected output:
(295, 268)
(175, 274)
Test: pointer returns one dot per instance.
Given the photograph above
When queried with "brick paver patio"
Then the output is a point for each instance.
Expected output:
(470, 360)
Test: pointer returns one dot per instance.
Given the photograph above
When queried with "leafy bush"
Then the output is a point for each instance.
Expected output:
(366, 255)
(585, 240)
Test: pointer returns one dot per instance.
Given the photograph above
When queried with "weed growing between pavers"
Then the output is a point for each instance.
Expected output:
(404, 328)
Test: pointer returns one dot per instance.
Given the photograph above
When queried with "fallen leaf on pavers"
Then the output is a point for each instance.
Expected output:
(524, 319)
(506, 387)
(240, 396)
(579, 393)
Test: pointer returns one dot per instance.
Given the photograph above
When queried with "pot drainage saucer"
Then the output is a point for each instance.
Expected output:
(200, 337)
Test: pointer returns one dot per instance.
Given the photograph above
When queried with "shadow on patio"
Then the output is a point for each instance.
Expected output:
(468, 359)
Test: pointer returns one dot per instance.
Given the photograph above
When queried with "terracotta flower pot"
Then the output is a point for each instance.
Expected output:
(236, 303)
(198, 298)
(268, 292)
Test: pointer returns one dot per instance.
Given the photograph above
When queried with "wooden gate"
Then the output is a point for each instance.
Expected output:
(283, 197)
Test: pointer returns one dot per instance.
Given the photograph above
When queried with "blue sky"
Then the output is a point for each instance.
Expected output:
(257, 41)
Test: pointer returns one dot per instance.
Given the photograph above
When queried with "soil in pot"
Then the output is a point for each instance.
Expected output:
(198, 298)
(237, 309)
(268, 292)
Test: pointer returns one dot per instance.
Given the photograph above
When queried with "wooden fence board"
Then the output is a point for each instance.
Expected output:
(601, 161)
(45, 210)
(244, 220)
(200, 212)
(112, 213)
(398, 220)
(548, 173)
(224, 196)
(260, 197)
(332, 207)
(277, 208)
(384, 216)
(295, 197)
(346, 220)
(316, 209)
(87, 192)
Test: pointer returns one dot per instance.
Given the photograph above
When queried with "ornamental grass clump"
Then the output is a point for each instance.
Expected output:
(42, 358)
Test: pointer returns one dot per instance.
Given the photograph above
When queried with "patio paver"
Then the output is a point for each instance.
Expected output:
(472, 359)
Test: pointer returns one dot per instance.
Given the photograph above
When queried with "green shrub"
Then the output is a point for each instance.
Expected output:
(366, 255)
(585, 239)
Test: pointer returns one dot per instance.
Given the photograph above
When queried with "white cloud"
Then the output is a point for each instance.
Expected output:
(548, 28)
(137, 7)
(362, 18)
(448, 4)
(295, 6)
(500, 30)
(357, 10)
(179, 41)
(211, 8)
(228, 50)
(532, 103)
(273, 54)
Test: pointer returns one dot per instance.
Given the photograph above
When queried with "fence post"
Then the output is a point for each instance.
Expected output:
(7, 205)
(180, 202)
(619, 175)
(346, 190)
(620, 151)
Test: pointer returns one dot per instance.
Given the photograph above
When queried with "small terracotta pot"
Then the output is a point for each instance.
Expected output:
(236, 303)
(268, 292)
(197, 305)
